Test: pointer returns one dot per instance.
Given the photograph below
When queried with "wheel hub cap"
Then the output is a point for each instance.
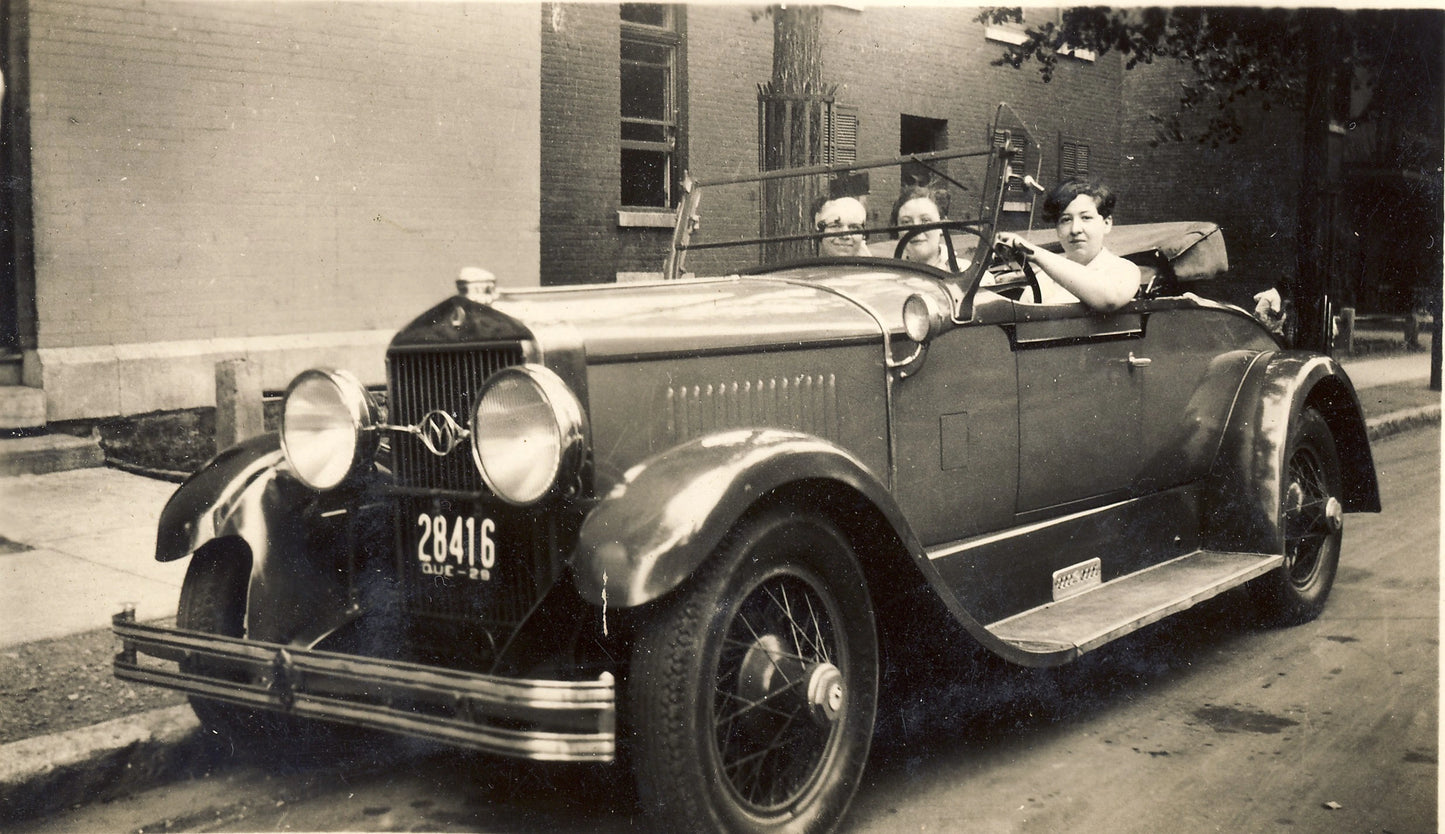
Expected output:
(825, 694)
(1294, 498)
(1334, 514)
(759, 675)
(766, 670)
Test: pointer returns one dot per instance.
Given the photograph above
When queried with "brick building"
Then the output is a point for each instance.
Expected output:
(189, 181)
(287, 182)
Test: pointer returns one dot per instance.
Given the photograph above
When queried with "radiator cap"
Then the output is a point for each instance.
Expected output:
(477, 284)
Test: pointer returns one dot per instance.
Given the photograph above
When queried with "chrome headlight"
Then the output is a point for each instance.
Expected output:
(328, 425)
(528, 433)
(922, 319)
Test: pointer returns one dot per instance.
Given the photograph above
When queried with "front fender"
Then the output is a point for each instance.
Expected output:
(295, 537)
(670, 512)
(1243, 498)
(208, 502)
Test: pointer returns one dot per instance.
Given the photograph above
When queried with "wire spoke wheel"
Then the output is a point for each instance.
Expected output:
(1312, 515)
(213, 601)
(1311, 522)
(778, 693)
(752, 694)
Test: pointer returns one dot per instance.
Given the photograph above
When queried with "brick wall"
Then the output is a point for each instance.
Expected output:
(253, 168)
(207, 170)
(581, 106)
(936, 63)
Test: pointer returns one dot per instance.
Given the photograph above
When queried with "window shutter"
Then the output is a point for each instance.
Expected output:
(1015, 192)
(1073, 159)
(843, 136)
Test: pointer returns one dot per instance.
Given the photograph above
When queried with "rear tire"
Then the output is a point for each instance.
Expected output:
(1311, 520)
(753, 691)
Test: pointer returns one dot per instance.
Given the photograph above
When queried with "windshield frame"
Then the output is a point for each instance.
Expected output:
(1005, 165)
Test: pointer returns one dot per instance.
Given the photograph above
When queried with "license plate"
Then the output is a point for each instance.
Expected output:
(1077, 579)
(456, 546)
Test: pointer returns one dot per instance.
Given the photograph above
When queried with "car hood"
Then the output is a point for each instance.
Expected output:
(699, 316)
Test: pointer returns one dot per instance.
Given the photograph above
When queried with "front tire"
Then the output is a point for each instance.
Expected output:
(213, 601)
(752, 693)
(1311, 520)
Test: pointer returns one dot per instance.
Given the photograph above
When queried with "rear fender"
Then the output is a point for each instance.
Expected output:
(296, 538)
(1242, 499)
(670, 512)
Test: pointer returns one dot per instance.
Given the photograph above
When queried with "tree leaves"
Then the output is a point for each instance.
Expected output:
(1237, 54)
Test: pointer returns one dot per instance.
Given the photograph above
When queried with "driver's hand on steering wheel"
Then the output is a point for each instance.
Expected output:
(1012, 247)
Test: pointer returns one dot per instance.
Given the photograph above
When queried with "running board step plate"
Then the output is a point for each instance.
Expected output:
(1088, 620)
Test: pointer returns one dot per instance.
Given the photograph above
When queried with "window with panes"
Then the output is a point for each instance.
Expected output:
(651, 136)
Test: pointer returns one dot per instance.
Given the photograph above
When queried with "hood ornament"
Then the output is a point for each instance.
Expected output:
(477, 284)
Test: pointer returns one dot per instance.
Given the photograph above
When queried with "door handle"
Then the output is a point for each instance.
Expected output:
(1139, 361)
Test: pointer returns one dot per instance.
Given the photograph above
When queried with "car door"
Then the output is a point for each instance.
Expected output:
(955, 430)
(1081, 384)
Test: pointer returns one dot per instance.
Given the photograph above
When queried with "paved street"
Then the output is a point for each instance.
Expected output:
(1202, 723)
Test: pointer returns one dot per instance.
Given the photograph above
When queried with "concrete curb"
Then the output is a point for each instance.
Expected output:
(1397, 421)
(92, 764)
(137, 752)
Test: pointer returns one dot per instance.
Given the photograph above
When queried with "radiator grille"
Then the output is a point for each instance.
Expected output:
(457, 619)
(446, 381)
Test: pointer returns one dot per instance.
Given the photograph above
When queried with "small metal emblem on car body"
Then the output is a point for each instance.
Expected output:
(440, 433)
(1077, 579)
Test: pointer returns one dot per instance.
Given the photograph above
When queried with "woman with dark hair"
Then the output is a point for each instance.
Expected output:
(916, 205)
(1083, 213)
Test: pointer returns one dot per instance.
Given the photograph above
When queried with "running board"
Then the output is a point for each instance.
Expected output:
(1065, 629)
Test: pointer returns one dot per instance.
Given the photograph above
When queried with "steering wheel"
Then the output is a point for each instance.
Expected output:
(1010, 256)
(946, 226)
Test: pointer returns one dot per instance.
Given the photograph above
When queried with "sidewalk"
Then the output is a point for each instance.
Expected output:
(1388, 370)
(75, 546)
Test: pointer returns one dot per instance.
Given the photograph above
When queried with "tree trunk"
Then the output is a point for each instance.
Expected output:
(794, 108)
(797, 50)
(1312, 286)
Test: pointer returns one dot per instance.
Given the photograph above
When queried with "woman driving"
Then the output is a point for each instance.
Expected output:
(1083, 213)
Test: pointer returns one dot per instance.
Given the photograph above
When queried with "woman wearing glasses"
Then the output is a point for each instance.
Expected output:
(841, 214)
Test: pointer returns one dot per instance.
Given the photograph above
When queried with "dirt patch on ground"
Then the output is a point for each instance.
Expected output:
(179, 441)
(54, 685)
(164, 444)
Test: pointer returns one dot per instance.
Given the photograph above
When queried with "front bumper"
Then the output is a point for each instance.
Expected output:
(539, 720)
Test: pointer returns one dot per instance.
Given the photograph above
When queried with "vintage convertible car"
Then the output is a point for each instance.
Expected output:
(684, 524)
